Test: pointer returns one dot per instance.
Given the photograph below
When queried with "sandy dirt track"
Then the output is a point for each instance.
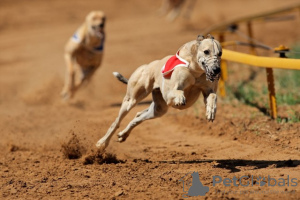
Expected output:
(37, 129)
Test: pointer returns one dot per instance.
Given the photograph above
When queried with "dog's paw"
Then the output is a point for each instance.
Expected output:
(211, 110)
(122, 137)
(211, 107)
(210, 113)
(101, 144)
(180, 100)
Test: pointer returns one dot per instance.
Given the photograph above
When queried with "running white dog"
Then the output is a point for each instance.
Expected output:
(194, 69)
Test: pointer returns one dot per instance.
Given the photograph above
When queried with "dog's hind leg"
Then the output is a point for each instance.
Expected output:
(157, 108)
(133, 97)
(137, 90)
(126, 106)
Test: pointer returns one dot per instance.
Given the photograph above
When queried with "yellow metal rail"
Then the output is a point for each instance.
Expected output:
(259, 61)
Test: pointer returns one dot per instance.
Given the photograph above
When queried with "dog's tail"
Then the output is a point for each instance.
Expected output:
(120, 77)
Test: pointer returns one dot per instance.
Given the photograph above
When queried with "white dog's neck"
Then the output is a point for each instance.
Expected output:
(189, 52)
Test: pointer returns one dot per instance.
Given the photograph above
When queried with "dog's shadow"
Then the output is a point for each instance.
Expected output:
(232, 164)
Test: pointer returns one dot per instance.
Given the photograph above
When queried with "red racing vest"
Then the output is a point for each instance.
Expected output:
(172, 63)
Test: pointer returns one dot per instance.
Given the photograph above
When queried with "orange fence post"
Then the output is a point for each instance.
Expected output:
(270, 77)
(250, 35)
(224, 74)
(271, 86)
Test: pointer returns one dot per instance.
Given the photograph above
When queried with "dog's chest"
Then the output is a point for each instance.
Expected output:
(85, 57)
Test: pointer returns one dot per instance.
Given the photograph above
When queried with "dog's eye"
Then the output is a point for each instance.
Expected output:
(206, 52)
(220, 53)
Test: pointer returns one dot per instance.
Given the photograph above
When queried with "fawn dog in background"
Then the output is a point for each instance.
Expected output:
(84, 48)
(197, 70)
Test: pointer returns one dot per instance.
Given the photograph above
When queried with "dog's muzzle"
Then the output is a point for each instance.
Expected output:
(99, 29)
(212, 68)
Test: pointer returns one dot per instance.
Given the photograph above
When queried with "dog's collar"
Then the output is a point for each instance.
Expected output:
(172, 63)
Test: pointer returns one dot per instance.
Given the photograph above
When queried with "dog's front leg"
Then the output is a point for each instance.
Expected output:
(67, 91)
(209, 91)
(211, 106)
(180, 80)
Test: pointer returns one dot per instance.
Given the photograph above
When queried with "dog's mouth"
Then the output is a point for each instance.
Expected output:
(212, 73)
(212, 68)
(212, 77)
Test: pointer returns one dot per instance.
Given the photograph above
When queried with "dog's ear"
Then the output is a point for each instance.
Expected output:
(194, 49)
(200, 38)
(209, 36)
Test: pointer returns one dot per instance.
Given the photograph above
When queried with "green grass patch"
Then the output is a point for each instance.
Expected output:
(287, 86)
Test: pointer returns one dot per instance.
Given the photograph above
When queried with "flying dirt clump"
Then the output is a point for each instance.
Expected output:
(14, 148)
(101, 157)
(73, 149)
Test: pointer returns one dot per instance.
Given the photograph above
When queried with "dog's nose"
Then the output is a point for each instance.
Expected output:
(217, 70)
(98, 26)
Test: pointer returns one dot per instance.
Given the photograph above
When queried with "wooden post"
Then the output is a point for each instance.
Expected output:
(272, 97)
(270, 78)
(250, 35)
